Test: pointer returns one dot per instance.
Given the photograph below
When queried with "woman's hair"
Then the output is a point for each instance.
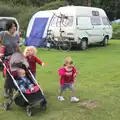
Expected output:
(34, 50)
(68, 60)
(9, 25)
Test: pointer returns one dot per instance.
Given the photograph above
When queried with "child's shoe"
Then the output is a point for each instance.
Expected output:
(74, 99)
(61, 98)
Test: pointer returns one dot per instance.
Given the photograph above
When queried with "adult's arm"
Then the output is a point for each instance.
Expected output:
(2, 48)
(1, 36)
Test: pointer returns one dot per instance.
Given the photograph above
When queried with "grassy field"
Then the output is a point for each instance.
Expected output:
(98, 81)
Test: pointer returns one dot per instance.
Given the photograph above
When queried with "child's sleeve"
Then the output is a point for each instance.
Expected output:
(61, 72)
(38, 61)
(74, 70)
(1, 36)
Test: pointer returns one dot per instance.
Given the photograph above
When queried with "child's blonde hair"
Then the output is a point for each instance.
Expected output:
(68, 60)
(34, 50)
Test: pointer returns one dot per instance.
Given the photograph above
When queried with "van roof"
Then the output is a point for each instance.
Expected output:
(8, 18)
(81, 11)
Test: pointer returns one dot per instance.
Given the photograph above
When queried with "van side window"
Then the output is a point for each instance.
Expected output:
(105, 21)
(95, 13)
(84, 22)
(95, 21)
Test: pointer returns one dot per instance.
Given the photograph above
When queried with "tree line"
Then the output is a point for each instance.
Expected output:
(110, 6)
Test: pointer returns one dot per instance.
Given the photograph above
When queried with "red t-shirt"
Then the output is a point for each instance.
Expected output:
(32, 60)
(67, 75)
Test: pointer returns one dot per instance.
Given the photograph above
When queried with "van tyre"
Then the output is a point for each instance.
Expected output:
(105, 41)
(83, 44)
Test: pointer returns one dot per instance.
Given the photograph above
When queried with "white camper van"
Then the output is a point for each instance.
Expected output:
(82, 25)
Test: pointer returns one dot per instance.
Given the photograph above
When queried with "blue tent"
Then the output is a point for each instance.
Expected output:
(37, 28)
(116, 21)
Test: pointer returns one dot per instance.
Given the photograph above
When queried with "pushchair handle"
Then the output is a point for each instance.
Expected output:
(1, 58)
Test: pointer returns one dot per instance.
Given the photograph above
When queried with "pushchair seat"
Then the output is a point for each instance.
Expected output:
(36, 88)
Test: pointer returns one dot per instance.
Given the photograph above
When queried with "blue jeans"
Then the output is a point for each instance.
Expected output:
(67, 85)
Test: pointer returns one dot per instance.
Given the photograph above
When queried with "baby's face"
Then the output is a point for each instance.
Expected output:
(21, 73)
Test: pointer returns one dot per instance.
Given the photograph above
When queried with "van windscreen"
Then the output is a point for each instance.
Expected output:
(3, 23)
(65, 22)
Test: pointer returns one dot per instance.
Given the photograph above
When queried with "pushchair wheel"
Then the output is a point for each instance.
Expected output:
(6, 106)
(43, 106)
(28, 111)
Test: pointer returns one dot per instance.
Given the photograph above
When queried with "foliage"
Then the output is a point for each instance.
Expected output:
(6, 10)
(116, 31)
(37, 3)
(111, 6)
(24, 9)
(53, 5)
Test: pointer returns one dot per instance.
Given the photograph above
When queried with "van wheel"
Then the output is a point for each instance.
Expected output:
(83, 44)
(105, 41)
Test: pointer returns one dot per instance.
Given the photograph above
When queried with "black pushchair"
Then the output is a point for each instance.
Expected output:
(27, 99)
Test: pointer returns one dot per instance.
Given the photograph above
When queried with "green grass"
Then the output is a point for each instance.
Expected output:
(98, 80)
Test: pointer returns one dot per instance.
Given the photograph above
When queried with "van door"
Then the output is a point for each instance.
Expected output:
(97, 34)
(107, 28)
(83, 28)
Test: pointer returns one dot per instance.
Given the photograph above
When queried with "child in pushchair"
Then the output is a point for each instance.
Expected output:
(28, 92)
(24, 82)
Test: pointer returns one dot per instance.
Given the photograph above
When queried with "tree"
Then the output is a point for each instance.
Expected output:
(71, 2)
(111, 7)
(89, 3)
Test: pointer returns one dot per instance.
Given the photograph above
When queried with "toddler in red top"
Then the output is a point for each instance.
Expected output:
(30, 54)
(67, 79)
